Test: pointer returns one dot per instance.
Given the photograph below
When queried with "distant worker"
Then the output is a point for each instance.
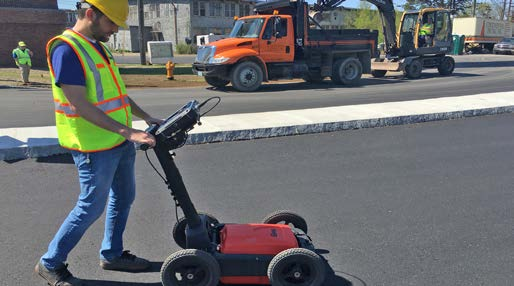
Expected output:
(426, 32)
(22, 56)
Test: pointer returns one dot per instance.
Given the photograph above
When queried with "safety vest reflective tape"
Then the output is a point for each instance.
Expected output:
(104, 89)
(106, 107)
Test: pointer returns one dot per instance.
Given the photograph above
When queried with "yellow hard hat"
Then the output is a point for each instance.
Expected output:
(22, 44)
(116, 10)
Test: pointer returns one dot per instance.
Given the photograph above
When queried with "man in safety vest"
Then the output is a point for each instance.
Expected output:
(426, 32)
(94, 117)
(21, 57)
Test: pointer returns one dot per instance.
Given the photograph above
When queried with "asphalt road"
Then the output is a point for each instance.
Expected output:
(425, 204)
(27, 107)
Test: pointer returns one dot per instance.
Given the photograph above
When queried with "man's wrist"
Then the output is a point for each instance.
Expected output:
(125, 132)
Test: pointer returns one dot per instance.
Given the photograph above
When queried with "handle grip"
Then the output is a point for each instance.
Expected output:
(151, 129)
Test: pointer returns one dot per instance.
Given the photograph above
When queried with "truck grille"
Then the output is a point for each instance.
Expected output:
(204, 53)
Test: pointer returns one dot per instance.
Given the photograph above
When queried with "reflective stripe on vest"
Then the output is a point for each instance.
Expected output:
(106, 106)
(104, 89)
(92, 68)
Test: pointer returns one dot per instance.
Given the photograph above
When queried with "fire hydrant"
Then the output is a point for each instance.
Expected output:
(170, 66)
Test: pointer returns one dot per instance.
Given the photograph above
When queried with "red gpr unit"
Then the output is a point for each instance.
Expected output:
(276, 251)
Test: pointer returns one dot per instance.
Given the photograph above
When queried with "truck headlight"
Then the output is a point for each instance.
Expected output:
(218, 60)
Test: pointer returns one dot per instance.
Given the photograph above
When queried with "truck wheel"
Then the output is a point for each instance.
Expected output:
(246, 76)
(413, 70)
(378, 73)
(446, 66)
(296, 267)
(347, 71)
(216, 81)
(190, 267)
(286, 217)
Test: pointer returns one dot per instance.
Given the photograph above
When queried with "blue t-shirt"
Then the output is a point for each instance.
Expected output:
(67, 67)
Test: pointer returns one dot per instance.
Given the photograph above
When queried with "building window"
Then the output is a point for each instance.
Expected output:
(202, 8)
(196, 8)
(215, 9)
(230, 9)
(244, 10)
(157, 10)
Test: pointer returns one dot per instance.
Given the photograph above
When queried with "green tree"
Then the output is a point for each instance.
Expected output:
(459, 5)
(367, 18)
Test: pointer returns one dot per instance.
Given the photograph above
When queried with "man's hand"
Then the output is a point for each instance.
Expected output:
(139, 137)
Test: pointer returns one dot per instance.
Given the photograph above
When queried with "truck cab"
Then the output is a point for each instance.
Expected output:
(254, 42)
(280, 42)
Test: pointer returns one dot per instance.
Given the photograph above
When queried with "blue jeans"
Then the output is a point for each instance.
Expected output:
(104, 176)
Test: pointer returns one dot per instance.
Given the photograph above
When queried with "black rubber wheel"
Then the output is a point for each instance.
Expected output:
(313, 77)
(413, 70)
(191, 267)
(378, 73)
(296, 267)
(286, 217)
(179, 229)
(347, 71)
(216, 81)
(447, 66)
(246, 76)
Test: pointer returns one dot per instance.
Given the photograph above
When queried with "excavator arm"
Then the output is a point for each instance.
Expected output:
(387, 14)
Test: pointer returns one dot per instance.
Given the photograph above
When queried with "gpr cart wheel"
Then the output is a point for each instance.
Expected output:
(296, 267)
(287, 217)
(179, 229)
(190, 267)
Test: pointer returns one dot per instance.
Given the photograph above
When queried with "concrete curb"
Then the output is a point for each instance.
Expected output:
(22, 143)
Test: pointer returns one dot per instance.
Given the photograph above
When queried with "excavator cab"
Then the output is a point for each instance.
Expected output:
(423, 32)
(423, 40)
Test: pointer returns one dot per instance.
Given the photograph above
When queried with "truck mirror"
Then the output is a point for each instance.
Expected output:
(277, 27)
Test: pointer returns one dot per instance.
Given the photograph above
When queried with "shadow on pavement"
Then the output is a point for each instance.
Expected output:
(274, 86)
(482, 64)
(56, 159)
(115, 283)
(332, 279)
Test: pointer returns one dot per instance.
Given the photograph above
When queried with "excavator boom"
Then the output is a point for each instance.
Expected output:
(387, 15)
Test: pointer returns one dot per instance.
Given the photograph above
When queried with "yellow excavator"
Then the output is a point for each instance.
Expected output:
(423, 40)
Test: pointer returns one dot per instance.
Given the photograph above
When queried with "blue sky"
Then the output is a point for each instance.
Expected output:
(70, 4)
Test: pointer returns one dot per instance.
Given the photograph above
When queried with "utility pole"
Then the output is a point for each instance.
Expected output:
(141, 17)
(175, 22)
(503, 10)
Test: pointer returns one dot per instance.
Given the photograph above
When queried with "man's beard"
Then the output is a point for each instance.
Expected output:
(97, 33)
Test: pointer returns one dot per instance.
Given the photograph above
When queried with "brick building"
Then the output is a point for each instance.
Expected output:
(34, 22)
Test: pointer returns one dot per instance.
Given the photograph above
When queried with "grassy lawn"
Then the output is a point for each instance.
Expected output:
(134, 76)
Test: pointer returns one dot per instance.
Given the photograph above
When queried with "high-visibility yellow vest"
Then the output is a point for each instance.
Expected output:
(426, 29)
(22, 56)
(105, 89)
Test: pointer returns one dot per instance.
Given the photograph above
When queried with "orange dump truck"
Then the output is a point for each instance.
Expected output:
(281, 41)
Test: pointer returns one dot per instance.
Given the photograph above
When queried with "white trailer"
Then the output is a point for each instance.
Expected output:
(481, 33)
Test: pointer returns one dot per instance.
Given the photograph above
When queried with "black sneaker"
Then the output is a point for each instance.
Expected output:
(126, 262)
(58, 277)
